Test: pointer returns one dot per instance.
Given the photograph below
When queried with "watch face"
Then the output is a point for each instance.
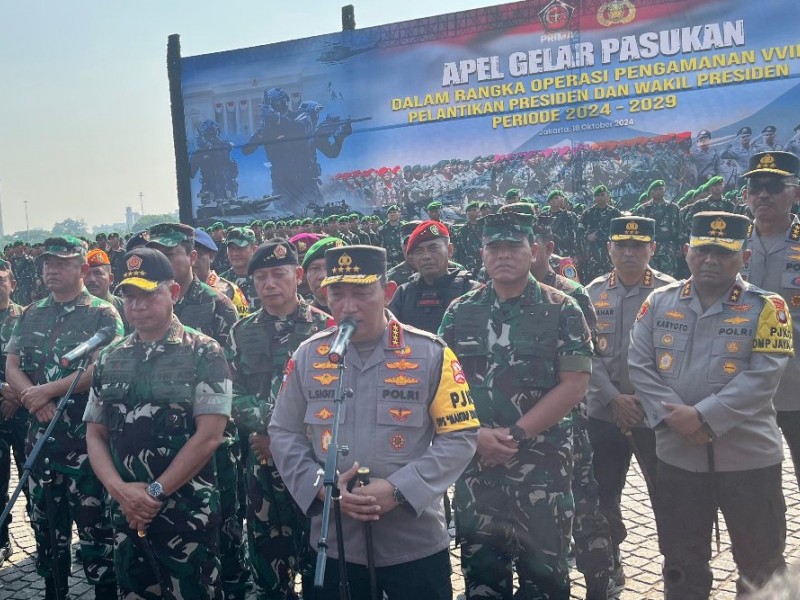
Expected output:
(155, 489)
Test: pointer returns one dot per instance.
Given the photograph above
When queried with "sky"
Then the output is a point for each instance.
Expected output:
(85, 122)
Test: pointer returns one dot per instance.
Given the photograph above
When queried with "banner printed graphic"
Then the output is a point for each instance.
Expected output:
(531, 95)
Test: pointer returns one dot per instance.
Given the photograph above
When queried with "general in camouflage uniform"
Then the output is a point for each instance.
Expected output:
(669, 246)
(258, 349)
(44, 332)
(159, 403)
(207, 310)
(14, 423)
(467, 240)
(526, 351)
(595, 222)
(590, 530)
(391, 238)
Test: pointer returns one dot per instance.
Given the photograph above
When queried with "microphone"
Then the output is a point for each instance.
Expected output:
(101, 338)
(342, 340)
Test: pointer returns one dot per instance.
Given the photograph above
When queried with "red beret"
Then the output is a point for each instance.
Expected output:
(97, 257)
(425, 232)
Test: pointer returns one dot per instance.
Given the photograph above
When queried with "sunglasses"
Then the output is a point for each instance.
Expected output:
(773, 186)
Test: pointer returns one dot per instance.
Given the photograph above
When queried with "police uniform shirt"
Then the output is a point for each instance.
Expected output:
(411, 420)
(616, 308)
(725, 361)
(776, 267)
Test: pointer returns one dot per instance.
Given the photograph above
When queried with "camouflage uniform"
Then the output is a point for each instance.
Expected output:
(258, 348)
(669, 246)
(590, 529)
(565, 226)
(391, 241)
(596, 220)
(13, 431)
(209, 312)
(468, 242)
(519, 512)
(148, 395)
(117, 303)
(117, 264)
(44, 332)
(25, 273)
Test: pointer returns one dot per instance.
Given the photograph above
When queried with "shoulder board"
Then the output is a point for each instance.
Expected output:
(426, 334)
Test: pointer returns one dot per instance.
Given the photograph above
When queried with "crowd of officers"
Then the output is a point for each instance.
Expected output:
(189, 458)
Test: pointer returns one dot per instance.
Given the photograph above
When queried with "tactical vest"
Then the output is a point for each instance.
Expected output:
(197, 315)
(261, 361)
(38, 336)
(533, 344)
(425, 305)
(151, 417)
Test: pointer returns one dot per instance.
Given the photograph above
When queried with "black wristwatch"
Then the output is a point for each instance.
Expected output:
(398, 497)
(517, 433)
(157, 491)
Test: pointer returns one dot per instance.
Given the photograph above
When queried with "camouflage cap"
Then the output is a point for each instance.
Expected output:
(525, 208)
(65, 246)
(317, 251)
(146, 268)
(274, 253)
(359, 265)
(636, 229)
(170, 235)
(241, 237)
(97, 258)
(507, 226)
(717, 228)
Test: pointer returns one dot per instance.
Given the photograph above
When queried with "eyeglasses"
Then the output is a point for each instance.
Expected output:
(773, 186)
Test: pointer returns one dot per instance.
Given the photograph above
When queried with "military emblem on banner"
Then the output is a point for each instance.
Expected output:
(556, 15)
(616, 12)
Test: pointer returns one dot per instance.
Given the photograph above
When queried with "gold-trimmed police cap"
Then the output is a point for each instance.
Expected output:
(360, 265)
(274, 253)
(781, 163)
(637, 229)
(717, 228)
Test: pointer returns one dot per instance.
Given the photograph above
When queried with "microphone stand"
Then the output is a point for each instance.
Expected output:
(331, 482)
(30, 463)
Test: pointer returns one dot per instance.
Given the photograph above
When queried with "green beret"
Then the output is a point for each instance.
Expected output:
(343, 219)
(307, 221)
(473, 204)
(257, 223)
(319, 248)
(512, 192)
(393, 207)
(269, 225)
(657, 183)
(599, 190)
(716, 180)
(435, 205)
(556, 193)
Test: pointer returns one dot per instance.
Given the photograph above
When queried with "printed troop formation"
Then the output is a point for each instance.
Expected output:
(190, 458)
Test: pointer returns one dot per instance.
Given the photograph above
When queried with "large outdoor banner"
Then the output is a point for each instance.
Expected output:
(532, 95)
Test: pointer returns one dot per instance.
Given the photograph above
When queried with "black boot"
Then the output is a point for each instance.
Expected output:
(106, 591)
(50, 589)
(597, 588)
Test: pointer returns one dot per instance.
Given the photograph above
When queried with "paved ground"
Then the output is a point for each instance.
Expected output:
(18, 579)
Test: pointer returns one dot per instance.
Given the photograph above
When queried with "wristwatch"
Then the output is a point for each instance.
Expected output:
(398, 497)
(517, 433)
(156, 491)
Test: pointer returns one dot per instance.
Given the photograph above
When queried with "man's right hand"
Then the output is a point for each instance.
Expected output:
(139, 507)
(495, 446)
(627, 411)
